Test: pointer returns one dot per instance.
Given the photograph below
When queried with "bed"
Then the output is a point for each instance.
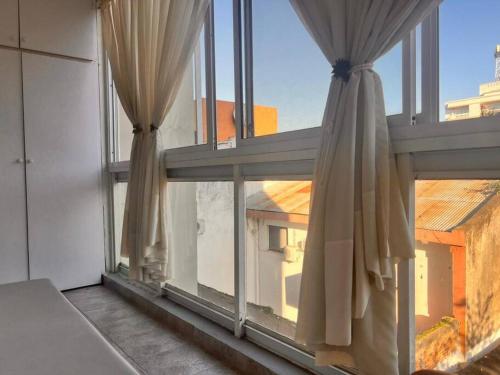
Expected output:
(42, 333)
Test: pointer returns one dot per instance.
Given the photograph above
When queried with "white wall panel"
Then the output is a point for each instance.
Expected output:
(64, 27)
(65, 213)
(9, 23)
(13, 250)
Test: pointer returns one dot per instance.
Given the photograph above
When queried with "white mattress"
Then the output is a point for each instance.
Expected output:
(42, 333)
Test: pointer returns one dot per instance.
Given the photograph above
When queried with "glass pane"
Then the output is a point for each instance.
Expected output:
(469, 33)
(201, 240)
(457, 288)
(418, 67)
(119, 195)
(390, 69)
(224, 73)
(184, 124)
(291, 75)
(277, 216)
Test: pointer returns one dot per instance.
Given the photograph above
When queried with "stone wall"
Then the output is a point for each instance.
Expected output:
(437, 344)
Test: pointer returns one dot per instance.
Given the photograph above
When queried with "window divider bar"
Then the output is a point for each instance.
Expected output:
(430, 68)
(238, 71)
(239, 252)
(211, 103)
(248, 35)
(406, 273)
(198, 95)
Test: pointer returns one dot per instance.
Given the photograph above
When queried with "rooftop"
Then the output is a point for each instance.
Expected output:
(441, 205)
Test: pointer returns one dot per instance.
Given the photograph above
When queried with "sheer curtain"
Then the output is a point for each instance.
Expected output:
(149, 44)
(357, 225)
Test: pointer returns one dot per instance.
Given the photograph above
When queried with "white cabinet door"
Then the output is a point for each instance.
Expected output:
(9, 23)
(63, 27)
(13, 247)
(65, 212)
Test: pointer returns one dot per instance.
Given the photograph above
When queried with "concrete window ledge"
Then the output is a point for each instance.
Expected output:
(239, 354)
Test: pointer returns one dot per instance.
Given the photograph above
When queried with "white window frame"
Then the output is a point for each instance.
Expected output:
(425, 148)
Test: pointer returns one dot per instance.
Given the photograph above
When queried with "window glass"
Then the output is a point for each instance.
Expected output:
(184, 124)
(390, 69)
(418, 68)
(457, 288)
(277, 215)
(119, 195)
(469, 33)
(291, 75)
(200, 225)
(224, 73)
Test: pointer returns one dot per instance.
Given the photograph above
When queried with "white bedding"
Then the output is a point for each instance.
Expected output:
(42, 333)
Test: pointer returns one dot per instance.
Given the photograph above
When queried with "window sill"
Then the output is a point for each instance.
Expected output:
(240, 354)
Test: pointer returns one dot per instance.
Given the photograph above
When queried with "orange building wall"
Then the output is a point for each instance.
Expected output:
(265, 118)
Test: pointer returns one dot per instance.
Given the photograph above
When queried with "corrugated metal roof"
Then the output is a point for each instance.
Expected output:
(441, 205)
(290, 197)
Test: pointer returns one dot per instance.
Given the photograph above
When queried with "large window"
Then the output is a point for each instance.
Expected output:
(240, 145)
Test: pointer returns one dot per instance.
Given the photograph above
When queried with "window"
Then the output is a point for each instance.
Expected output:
(238, 204)
(200, 238)
(457, 291)
(418, 68)
(184, 125)
(224, 74)
(119, 196)
(390, 69)
(290, 74)
(469, 68)
(277, 215)
(278, 237)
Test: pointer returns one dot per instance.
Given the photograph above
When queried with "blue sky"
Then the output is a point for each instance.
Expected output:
(469, 32)
(291, 73)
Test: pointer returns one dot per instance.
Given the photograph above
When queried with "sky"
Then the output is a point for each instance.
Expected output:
(469, 31)
(291, 74)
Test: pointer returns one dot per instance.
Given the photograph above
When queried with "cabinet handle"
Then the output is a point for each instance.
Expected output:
(29, 161)
(20, 160)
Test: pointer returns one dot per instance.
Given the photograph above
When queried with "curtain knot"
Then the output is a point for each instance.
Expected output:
(138, 129)
(343, 68)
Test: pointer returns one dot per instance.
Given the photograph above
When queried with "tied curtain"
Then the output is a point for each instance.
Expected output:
(358, 227)
(149, 44)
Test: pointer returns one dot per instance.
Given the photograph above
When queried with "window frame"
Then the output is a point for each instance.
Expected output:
(425, 148)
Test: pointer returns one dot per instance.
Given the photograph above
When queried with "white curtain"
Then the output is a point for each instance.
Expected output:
(357, 225)
(149, 44)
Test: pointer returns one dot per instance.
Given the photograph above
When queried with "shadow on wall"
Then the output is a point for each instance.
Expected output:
(292, 285)
(480, 323)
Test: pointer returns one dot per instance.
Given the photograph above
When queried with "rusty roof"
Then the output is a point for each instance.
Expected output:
(291, 197)
(440, 205)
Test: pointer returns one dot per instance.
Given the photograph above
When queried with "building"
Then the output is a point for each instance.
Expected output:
(486, 104)
(457, 291)
(457, 236)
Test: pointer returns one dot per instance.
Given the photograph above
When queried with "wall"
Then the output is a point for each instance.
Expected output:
(215, 242)
(483, 281)
(439, 290)
(439, 347)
